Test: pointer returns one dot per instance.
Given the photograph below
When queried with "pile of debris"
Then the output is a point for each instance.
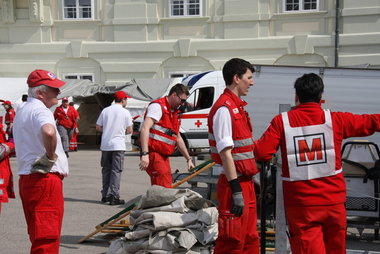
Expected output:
(170, 221)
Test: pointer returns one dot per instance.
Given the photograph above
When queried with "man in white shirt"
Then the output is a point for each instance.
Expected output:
(231, 147)
(115, 122)
(160, 136)
(42, 164)
(24, 100)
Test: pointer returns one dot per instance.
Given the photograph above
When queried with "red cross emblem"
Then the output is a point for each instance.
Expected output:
(198, 123)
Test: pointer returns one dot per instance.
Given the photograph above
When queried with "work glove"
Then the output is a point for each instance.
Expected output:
(237, 204)
(43, 164)
(237, 198)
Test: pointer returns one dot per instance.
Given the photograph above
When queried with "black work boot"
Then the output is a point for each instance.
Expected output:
(106, 199)
(116, 201)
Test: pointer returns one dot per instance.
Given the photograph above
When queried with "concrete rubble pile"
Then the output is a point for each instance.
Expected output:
(170, 221)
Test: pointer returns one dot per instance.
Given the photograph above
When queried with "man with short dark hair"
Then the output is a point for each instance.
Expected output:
(24, 100)
(41, 161)
(160, 136)
(313, 184)
(115, 122)
(231, 146)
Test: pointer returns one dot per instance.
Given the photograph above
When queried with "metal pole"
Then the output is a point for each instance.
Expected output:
(337, 34)
(263, 186)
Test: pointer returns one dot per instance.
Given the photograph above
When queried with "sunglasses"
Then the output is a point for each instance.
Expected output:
(182, 100)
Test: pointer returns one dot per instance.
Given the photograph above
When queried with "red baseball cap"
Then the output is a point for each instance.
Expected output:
(65, 99)
(121, 95)
(42, 77)
(7, 102)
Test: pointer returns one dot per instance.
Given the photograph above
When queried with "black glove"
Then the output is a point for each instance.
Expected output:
(237, 198)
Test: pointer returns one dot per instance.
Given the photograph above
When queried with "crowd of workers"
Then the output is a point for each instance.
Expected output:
(313, 185)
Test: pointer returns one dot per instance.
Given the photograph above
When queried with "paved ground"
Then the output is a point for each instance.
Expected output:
(83, 209)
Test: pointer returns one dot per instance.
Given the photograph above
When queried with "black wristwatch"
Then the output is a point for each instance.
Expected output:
(143, 153)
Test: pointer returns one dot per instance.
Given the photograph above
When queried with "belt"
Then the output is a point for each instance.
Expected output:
(40, 175)
(244, 178)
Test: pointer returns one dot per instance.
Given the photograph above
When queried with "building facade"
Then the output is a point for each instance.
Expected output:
(113, 41)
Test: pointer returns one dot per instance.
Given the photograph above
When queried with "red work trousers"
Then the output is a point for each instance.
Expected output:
(42, 201)
(317, 229)
(159, 170)
(237, 234)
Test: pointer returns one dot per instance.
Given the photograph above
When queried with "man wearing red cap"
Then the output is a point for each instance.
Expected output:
(42, 163)
(115, 122)
(66, 118)
(9, 116)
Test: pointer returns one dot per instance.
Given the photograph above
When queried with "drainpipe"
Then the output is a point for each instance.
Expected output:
(337, 34)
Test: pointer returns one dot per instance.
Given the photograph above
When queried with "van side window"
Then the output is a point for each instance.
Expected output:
(201, 98)
(205, 98)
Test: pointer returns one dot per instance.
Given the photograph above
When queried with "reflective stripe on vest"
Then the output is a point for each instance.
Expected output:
(237, 143)
(1, 182)
(4, 151)
(310, 150)
(162, 139)
(159, 128)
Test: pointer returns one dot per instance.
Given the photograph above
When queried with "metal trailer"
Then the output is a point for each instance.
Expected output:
(361, 170)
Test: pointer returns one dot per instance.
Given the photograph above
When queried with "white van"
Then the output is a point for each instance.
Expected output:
(352, 90)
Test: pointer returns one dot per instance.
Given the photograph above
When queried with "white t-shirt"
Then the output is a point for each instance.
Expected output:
(20, 106)
(28, 139)
(222, 132)
(154, 111)
(223, 129)
(114, 119)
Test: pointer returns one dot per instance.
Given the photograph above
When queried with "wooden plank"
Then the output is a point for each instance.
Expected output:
(116, 215)
(113, 231)
(194, 174)
(109, 223)
(119, 225)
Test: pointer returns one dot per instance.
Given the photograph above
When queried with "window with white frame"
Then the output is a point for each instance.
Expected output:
(79, 76)
(184, 8)
(77, 9)
(181, 74)
(300, 5)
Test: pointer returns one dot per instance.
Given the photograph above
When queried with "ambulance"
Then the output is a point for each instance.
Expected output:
(354, 90)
